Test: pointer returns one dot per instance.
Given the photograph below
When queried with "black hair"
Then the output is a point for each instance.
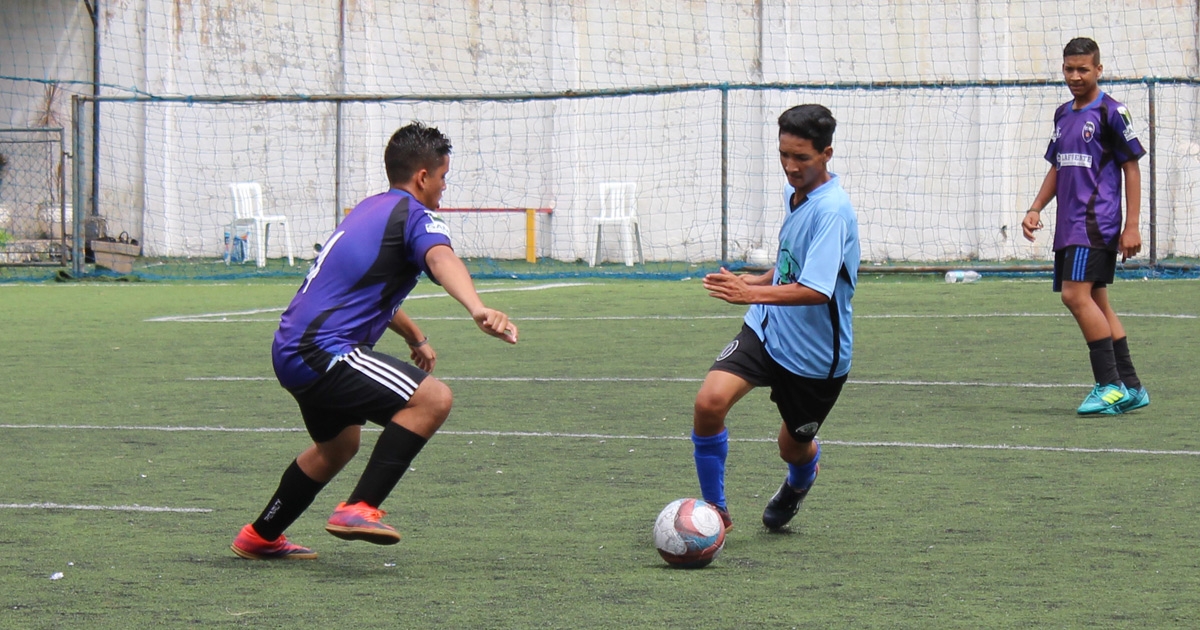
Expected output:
(414, 147)
(811, 122)
(1082, 46)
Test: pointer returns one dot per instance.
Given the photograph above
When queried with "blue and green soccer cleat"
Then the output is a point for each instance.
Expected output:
(1104, 399)
(1137, 398)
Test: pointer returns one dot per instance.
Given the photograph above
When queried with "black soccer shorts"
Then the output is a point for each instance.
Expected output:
(1084, 264)
(363, 385)
(803, 402)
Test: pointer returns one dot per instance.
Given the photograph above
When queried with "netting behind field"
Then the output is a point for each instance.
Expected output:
(937, 174)
(944, 110)
(32, 211)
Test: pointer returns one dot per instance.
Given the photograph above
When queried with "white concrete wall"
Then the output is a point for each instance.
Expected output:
(935, 174)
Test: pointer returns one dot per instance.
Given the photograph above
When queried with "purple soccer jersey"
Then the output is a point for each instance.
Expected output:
(1087, 149)
(364, 271)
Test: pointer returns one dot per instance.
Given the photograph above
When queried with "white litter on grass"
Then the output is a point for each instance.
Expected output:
(57, 575)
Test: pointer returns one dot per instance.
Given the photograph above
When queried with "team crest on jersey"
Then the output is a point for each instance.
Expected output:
(1089, 131)
(1056, 135)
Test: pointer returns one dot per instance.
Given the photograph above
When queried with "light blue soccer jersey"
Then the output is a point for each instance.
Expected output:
(818, 247)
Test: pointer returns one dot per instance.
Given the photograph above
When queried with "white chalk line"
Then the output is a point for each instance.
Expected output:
(243, 316)
(605, 436)
(225, 317)
(603, 379)
(103, 508)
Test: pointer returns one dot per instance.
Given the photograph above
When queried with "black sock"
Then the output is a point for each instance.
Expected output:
(295, 493)
(1104, 362)
(1125, 364)
(389, 461)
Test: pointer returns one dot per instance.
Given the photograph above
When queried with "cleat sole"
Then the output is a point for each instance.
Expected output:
(375, 536)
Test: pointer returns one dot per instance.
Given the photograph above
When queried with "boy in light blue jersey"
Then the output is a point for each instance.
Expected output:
(797, 336)
(324, 353)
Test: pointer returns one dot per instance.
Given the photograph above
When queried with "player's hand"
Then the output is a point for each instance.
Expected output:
(725, 285)
(1030, 224)
(424, 357)
(496, 324)
(1131, 243)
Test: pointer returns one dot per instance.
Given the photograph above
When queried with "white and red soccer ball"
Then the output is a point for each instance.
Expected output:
(689, 533)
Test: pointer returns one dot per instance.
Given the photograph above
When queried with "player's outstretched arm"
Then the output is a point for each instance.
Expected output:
(421, 352)
(1033, 217)
(452, 274)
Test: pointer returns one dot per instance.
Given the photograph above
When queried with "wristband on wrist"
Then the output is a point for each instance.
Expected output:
(1033, 210)
(420, 343)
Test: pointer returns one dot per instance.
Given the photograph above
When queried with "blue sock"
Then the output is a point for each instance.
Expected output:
(801, 477)
(710, 453)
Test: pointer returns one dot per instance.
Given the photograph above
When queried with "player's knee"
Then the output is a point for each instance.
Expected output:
(1075, 299)
(795, 452)
(710, 407)
(335, 455)
(436, 398)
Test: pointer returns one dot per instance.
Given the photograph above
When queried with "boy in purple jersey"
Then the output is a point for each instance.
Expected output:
(1093, 146)
(323, 351)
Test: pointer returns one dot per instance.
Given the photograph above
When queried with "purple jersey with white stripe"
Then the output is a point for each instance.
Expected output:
(1087, 148)
(364, 271)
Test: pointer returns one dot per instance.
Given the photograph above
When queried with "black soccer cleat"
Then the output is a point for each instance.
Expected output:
(784, 505)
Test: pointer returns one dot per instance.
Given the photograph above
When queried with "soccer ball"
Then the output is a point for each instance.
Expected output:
(689, 533)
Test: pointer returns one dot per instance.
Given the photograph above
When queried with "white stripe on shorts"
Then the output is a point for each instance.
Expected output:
(382, 373)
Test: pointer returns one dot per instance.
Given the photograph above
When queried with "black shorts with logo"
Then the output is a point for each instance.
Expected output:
(1084, 264)
(363, 385)
(803, 402)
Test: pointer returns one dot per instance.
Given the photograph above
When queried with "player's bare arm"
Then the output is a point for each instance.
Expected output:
(759, 279)
(456, 280)
(734, 289)
(1131, 238)
(1033, 217)
(421, 353)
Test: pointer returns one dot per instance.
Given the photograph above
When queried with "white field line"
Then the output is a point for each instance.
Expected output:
(244, 316)
(605, 436)
(603, 379)
(103, 508)
(225, 317)
(740, 316)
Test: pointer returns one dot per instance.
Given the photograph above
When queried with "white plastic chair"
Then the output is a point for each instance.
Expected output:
(618, 207)
(248, 213)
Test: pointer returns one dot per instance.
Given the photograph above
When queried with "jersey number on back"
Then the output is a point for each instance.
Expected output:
(316, 268)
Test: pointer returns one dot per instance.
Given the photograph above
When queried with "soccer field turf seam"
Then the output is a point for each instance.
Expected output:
(606, 436)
